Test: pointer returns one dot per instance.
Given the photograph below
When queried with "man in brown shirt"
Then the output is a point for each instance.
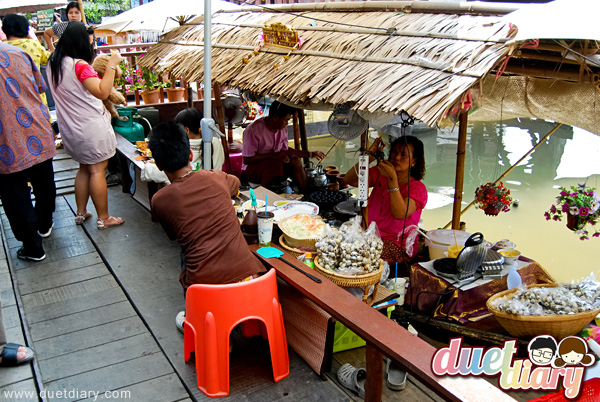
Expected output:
(195, 209)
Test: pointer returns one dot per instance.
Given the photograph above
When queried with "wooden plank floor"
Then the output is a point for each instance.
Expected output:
(100, 311)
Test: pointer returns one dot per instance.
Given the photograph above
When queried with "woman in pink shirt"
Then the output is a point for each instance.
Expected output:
(398, 196)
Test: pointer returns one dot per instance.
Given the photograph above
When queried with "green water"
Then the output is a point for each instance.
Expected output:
(569, 156)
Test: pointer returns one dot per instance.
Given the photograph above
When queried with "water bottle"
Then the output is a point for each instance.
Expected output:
(513, 279)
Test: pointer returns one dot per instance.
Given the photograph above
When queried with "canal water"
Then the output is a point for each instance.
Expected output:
(570, 156)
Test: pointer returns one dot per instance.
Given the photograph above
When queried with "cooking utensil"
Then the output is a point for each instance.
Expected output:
(272, 252)
(491, 267)
(333, 146)
(471, 256)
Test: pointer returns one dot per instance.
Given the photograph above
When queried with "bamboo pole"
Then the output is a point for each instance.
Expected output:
(303, 139)
(565, 75)
(80, 3)
(364, 144)
(376, 31)
(296, 129)
(460, 168)
(510, 169)
(405, 6)
(221, 123)
(341, 56)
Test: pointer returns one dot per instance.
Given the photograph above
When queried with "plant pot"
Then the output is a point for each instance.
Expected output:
(492, 211)
(175, 94)
(150, 96)
(573, 222)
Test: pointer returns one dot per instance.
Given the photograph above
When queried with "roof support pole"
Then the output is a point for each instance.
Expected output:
(303, 140)
(460, 168)
(207, 120)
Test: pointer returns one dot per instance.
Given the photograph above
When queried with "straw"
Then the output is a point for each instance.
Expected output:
(396, 275)
(454, 233)
(265, 203)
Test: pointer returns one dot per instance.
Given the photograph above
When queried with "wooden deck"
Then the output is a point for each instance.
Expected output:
(99, 311)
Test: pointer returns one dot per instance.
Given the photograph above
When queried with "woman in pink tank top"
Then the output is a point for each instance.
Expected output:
(84, 122)
(397, 197)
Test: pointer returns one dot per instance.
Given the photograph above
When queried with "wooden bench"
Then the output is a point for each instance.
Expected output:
(383, 337)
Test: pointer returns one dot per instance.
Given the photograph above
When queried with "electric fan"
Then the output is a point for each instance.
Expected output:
(233, 114)
(345, 124)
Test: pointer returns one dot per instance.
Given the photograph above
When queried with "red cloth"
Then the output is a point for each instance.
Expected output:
(196, 211)
(84, 71)
(431, 294)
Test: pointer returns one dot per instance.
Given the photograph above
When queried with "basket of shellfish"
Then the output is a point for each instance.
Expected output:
(544, 309)
(351, 257)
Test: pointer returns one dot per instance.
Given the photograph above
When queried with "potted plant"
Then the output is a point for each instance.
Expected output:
(581, 205)
(251, 109)
(174, 94)
(493, 198)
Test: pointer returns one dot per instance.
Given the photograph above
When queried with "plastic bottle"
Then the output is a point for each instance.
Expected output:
(308, 260)
(250, 222)
(513, 279)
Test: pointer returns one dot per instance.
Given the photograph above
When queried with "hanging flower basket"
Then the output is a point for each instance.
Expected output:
(492, 211)
(493, 198)
(581, 205)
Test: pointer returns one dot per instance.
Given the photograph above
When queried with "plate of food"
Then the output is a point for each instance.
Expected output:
(142, 147)
(248, 204)
(281, 203)
(295, 208)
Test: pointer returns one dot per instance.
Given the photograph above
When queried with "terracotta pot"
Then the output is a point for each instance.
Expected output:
(340, 180)
(333, 186)
(492, 211)
(175, 94)
(573, 222)
(150, 96)
(332, 176)
(328, 168)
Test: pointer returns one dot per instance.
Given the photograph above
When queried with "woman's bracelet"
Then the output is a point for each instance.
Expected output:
(393, 190)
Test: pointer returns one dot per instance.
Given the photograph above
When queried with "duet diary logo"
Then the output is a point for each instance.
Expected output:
(549, 365)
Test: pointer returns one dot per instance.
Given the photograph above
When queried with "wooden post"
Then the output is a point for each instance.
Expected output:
(137, 96)
(221, 123)
(80, 2)
(303, 140)
(190, 98)
(460, 169)
(296, 129)
(374, 366)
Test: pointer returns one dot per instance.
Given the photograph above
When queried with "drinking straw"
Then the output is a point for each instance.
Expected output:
(396, 275)
(265, 203)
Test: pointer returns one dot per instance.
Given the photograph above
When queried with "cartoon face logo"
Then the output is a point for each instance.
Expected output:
(542, 350)
(573, 351)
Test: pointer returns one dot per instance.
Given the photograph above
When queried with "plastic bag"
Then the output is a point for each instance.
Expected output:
(409, 235)
(360, 251)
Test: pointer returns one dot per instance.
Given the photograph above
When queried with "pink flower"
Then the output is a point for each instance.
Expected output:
(584, 211)
(565, 208)
(553, 209)
(597, 234)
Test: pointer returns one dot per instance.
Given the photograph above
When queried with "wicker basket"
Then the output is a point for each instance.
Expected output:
(559, 326)
(293, 251)
(294, 242)
(353, 281)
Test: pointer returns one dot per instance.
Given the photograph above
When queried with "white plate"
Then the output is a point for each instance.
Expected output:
(281, 203)
(295, 208)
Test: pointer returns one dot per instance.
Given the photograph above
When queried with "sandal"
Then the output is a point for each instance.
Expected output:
(395, 377)
(80, 218)
(9, 355)
(353, 378)
(109, 222)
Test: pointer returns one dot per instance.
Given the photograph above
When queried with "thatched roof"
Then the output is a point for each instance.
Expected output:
(387, 58)
(381, 57)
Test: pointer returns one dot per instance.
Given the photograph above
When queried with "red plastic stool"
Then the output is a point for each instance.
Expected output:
(212, 311)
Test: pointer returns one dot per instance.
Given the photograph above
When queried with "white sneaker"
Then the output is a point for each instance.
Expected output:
(179, 320)
(48, 233)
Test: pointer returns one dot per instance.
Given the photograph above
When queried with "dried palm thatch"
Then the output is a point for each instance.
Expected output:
(383, 59)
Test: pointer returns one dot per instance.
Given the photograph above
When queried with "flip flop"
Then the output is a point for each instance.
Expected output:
(80, 218)
(353, 378)
(395, 377)
(109, 222)
(9, 355)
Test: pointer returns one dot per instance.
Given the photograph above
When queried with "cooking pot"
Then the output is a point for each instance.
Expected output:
(346, 210)
(438, 241)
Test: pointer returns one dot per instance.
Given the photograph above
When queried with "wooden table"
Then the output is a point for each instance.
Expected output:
(383, 337)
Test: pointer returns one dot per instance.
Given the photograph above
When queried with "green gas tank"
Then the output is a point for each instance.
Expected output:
(126, 126)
